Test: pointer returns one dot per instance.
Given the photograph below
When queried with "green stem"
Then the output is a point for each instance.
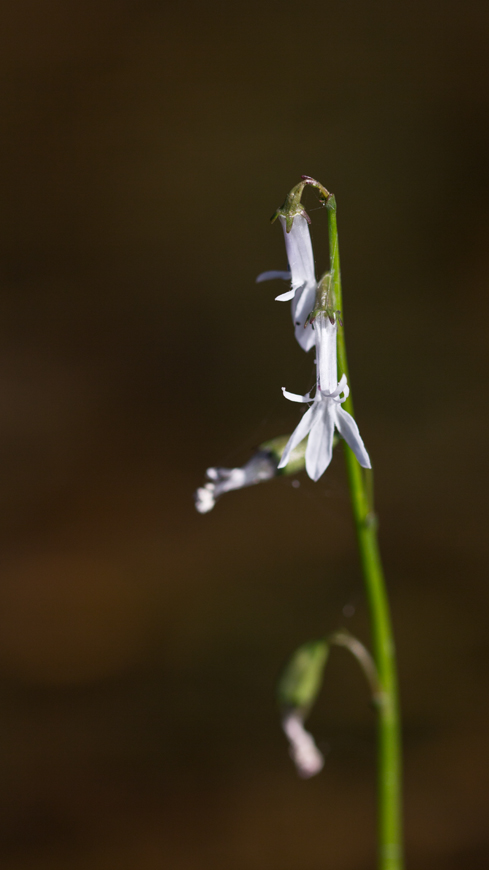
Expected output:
(389, 736)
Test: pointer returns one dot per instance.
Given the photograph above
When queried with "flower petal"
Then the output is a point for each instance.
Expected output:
(285, 297)
(298, 434)
(326, 353)
(294, 397)
(270, 276)
(319, 451)
(301, 264)
(348, 430)
(342, 387)
(301, 308)
(299, 250)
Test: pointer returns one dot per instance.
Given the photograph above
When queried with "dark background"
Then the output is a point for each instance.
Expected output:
(144, 146)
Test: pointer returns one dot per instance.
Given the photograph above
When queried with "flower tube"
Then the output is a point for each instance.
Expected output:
(301, 274)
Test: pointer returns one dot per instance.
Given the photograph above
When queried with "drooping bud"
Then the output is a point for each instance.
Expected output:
(299, 687)
(297, 690)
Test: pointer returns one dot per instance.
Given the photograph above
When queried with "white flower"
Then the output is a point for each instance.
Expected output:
(303, 750)
(325, 413)
(261, 466)
(301, 264)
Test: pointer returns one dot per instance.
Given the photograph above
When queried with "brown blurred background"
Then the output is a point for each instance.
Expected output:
(144, 147)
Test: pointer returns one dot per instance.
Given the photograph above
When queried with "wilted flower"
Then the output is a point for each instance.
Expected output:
(263, 465)
(325, 413)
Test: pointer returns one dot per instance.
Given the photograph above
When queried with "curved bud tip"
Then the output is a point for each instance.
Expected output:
(325, 196)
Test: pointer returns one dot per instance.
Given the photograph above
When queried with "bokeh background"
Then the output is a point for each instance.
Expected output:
(144, 146)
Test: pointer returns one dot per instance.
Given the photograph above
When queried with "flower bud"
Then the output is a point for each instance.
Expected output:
(297, 690)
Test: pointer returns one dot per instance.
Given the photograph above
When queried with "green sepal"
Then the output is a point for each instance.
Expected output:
(302, 677)
(276, 447)
(292, 207)
(297, 459)
(324, 303)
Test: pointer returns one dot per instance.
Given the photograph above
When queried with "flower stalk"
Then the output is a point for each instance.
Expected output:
(316, 309)
(360, 483)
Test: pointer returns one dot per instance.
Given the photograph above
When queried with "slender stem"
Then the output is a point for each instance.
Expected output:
(361, 491)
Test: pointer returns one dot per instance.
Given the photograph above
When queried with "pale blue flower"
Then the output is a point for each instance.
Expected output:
(301, 275)
(325, 413)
